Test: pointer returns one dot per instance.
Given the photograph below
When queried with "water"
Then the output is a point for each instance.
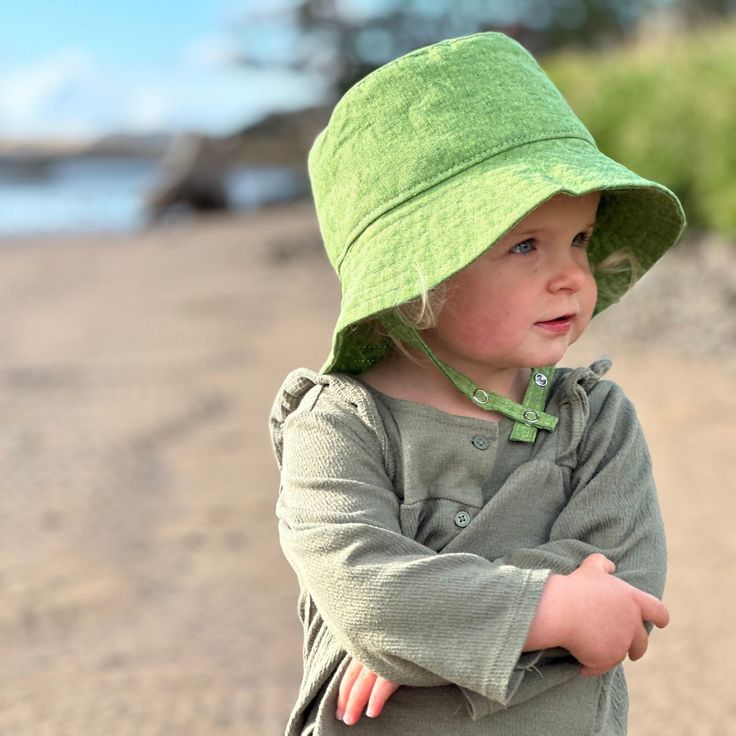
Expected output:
(107, 193)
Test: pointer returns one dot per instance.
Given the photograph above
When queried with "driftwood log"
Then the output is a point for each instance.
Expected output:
(193, 177)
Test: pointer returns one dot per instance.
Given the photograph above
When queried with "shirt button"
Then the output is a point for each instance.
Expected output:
(480, 442)
(462, 518)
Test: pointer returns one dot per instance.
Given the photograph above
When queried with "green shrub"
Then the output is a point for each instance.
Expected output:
(667, 109)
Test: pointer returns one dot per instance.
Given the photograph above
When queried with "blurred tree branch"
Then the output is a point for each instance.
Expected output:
(343, 40)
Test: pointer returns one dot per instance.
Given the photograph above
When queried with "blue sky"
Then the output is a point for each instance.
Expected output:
(83, 67)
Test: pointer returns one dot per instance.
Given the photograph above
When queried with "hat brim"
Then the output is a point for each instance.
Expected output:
(435, 234)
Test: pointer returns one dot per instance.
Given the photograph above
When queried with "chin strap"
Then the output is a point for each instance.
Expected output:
(528, 417)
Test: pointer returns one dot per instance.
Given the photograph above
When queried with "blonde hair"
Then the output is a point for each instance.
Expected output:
(420, 313)
(616, 274)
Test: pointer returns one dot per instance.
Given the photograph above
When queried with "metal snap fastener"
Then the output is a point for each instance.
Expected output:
(540, 379)
(480, 442)
(531, 416)
(462, 518)
(480, 396)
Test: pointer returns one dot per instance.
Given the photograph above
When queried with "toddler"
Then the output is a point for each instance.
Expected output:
(475, 532)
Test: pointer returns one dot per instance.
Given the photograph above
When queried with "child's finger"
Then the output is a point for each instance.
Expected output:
(358, 697)
(600, 562)
(593, 671)
(639, 644)
(652, 609)
(382, 690)
(346, 685)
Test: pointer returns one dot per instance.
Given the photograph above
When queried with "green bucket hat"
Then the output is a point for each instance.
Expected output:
(429, 160)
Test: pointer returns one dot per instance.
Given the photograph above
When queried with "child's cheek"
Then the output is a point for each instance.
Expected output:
(590, 298)
(488, 330)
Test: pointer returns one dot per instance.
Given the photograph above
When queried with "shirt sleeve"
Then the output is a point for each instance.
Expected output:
(613, 507)
(407, 613)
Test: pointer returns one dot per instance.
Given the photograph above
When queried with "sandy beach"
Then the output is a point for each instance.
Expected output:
(143, 589)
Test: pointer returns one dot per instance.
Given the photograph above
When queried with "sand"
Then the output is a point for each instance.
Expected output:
(142, 587)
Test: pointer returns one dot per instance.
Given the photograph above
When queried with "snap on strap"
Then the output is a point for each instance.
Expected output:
(529, 417)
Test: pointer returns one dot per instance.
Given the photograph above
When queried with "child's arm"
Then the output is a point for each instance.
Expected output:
(594, 615)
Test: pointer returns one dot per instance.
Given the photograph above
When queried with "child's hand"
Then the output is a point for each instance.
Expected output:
(360, 686)
(596, 616)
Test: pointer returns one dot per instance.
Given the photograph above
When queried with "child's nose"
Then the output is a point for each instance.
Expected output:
(568, 273)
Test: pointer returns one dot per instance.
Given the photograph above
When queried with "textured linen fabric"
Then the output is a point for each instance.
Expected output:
(429, 160)
(370, 490)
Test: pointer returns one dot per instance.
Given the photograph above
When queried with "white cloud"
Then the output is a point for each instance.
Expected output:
(64, 93)
(210, 51)
(71, 93)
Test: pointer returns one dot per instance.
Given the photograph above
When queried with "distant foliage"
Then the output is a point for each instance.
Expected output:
(667, 109)
(343, 40)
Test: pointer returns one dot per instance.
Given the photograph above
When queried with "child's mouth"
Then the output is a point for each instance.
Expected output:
(558, 325)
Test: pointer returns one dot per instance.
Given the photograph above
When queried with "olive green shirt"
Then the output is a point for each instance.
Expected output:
(422, 541)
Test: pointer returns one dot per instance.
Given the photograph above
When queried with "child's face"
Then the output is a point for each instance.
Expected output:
(524, 301)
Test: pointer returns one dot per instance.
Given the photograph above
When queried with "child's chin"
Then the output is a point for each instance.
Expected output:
(551, 357)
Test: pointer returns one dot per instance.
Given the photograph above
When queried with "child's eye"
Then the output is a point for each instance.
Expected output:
(526, 246)
(581, 240)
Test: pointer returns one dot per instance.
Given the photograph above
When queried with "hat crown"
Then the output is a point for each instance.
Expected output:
(423, 118)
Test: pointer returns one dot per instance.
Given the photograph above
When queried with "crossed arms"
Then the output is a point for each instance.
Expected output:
(383, 596)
